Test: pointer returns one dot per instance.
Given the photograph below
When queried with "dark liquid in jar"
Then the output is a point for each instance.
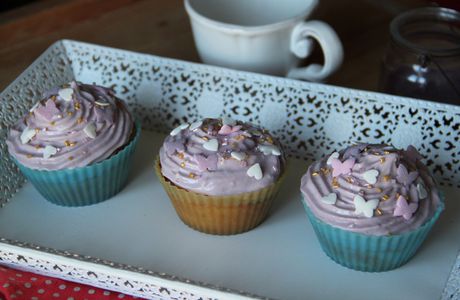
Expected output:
(425, 75)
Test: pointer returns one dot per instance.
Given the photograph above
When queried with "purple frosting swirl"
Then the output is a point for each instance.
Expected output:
(371, 189)
(221, 157)
(72, 126)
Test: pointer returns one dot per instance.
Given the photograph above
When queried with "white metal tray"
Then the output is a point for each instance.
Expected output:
(134, 243)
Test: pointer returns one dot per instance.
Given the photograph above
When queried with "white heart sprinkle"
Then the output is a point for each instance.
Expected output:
(422, 193)
(27, 135)
(255, 171)
(238, 155)
(371, 176)
(102, 103)
(179, 128)
(211, 145)
(49, 151)
(66, 94)
(330, 199)
(34, 107)
(90, 130)
(228, 121)
(333, 155)
(269, 149)
(195, 125)
(365, 207)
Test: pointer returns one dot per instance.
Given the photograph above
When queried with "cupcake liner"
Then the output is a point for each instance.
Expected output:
(86, 185)
(369, 253)
(220, 215)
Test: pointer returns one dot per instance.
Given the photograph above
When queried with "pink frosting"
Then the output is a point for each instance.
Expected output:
(75, 125)
(190, 160)
(404, 192)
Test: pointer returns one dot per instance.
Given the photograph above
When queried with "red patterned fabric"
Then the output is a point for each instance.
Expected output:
(16, 284)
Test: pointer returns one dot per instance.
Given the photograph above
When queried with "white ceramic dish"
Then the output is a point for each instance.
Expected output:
(143, 249)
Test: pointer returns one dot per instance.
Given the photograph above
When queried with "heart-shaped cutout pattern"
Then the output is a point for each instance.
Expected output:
(211, 145)
(371, 176)
(333, 155)
(422, 193)
(49, 151)
(330, 199)
(255, 171)
(66, 94)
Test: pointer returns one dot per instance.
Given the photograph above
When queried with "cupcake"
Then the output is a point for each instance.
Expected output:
(371, 206)
(221, 176)
(75, 145)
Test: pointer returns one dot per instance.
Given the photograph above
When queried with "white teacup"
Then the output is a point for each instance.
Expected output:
(265, 36)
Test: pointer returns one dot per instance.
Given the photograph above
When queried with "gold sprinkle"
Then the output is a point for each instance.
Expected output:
(385, 197)
(37, 130)
(73, 144)
(382, 160)
(205, 138)
(325, 171)
(52, 123)
(29, 155)
(79, 120)
(31, 114)
(37, 147)
(370, 186)
(53, 97)
(378, 212)
(349, 179)
(335, 183)
(182, 165)
(379, 190)
(69, 113)
(191, 175)
(386, 152)
(77, 105)
(70, 157)
(269, 139)
(67, 143)
(314, 174)
(386, 178)
(366, 149)
(180, 155)
(239, 137)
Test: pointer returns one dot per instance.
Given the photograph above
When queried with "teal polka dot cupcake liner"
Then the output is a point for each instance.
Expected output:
(86, 185)
(370, 253)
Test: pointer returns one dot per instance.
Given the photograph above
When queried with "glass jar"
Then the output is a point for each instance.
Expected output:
(423, 57)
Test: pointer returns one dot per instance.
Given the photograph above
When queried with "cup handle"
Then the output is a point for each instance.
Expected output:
(302, 45)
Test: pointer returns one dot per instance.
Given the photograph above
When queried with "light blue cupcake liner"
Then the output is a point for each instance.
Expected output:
(86, 185)
(370, 253)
